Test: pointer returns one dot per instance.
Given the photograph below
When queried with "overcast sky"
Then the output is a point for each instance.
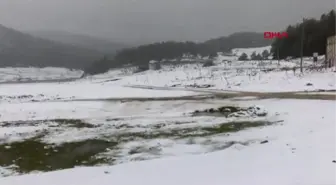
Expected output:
(154, 20)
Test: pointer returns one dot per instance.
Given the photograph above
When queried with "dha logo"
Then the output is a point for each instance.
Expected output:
(272, 35)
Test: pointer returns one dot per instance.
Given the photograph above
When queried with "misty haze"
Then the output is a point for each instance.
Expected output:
(146, 21)
(167, 92)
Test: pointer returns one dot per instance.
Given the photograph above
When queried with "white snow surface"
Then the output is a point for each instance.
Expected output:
(230, 74)
(299, 151)
(233, 78)
(80, 90)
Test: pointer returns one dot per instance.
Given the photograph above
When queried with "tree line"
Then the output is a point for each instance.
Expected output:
(140, 56)
(254, 56)
(307, 37)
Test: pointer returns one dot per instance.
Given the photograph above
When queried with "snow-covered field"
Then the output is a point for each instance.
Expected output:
(105, 129)
(135, 126)
(241, 77)
(230, 74)
(78, 90)
(251, 80)
(298, 150)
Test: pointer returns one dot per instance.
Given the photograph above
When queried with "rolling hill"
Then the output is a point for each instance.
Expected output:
(21, 49)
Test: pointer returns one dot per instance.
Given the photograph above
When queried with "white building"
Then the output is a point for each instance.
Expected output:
(331, 49)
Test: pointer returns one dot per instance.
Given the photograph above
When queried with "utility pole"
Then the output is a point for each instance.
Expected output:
(278, 56)
(302, 39)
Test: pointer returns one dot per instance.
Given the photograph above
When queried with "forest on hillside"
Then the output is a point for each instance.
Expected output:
(170, 49)
(310, 35)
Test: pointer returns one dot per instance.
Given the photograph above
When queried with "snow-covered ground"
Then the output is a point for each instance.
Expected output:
(128, 135)
(78, 90)
(164, 122)
(230, 74)
(10, 74)
(300, 150)
(230, 78)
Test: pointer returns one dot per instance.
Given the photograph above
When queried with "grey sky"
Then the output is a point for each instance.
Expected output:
(153, 20)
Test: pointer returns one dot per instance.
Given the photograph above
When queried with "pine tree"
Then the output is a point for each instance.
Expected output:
(265, 54)
(258, 57)
(253, 56)
(243, 57)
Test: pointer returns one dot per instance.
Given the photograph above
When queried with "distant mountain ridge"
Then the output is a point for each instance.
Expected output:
(102, 45)
(21, 49)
